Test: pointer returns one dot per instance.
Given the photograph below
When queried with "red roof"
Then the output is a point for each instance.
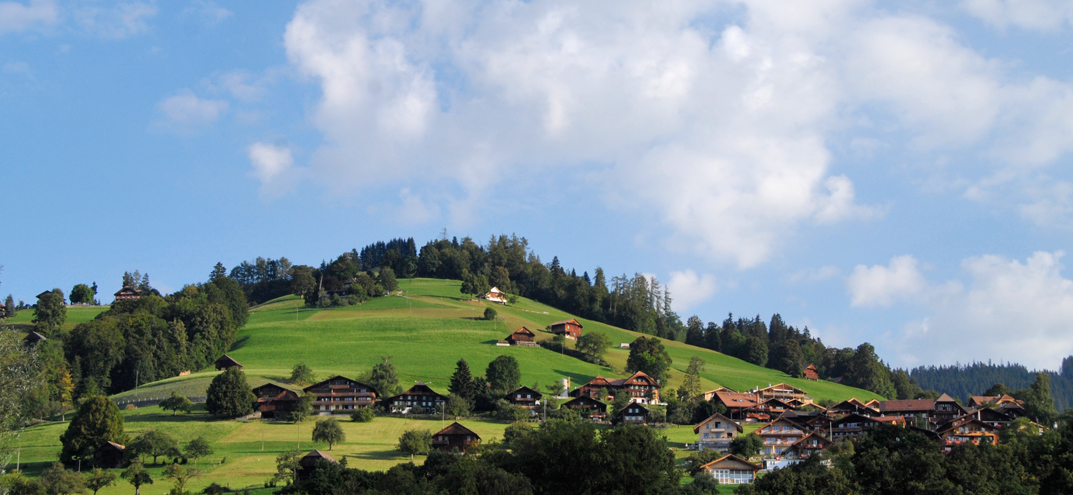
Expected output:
(696, 429)
(906, 405)
(568, 322)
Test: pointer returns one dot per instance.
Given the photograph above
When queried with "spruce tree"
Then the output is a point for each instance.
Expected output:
(462, 381)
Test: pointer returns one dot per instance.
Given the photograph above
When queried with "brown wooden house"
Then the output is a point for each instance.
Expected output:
(946, 409)
(852, 406)
(811, 373)
(33, 338)
(916, 408)
(454, 438)
(780, 434)
(418, 398)
(570, 328)
(226, 362)
(274, 401)
(640, 387)
(522, 336)
(633, 414)
(739, 405)
(967, 430)
(110, 455)
(126, 293)
(813, 443)
(525, 397)
(341, 395)
(855, 425)
(308, 463)
(716, 433)
(587, 406)
(782, 391)
(731, 470)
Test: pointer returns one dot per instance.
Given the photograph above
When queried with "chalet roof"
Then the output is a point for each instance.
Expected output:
(524, 331)
(782, 386)
(340, 377)
(571, 321)
(313, 456)
(632, 405)
(945, 398)
(731, 459)
(113, 445)
(457, 429)
(43, 294)
(979, 400)
(824, 442)
(536, 394)
(777, 402)
(778, 420)
(125, 290)
(583, 400)
(495, 290)
(952, 425)
(852, 417)
(851, 403)
(906, 405)
(419, 388)
(811, 367)
(696, 429)
(739, 400)
(927, 433)
(227, 361)
(33, 337)
(285, 392)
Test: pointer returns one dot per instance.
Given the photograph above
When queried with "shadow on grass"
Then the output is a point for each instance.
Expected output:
(576, 379)
(182, 417)
(376, 455)
(240, 343)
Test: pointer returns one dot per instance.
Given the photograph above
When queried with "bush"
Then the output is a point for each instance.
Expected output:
(363, 415)
(489, 314)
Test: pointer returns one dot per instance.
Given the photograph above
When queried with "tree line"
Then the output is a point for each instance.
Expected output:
(967, 380)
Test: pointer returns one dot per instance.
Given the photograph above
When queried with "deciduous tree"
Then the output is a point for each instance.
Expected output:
(59, 481)
(100, 478)
(503, 374)
(329, 431)
(229, 395)
(155, 444)
(82, 294)
(197, 448)
(302, 374)
(415, 442)
(136, 475)
(97, 421)
(176, 403)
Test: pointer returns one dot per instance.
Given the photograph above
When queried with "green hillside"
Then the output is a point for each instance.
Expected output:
(429, 327)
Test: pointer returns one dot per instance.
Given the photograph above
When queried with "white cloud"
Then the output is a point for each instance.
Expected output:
(1011, 311)
(722, 132)
(18, 16)
(211, 12)
(689, 289)
(1042, 15)
(119, 21)
(884, 285)
(185, 110)
(814, 275)
(273, 166)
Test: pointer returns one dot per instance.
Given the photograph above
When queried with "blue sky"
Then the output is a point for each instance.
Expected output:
(896, 173)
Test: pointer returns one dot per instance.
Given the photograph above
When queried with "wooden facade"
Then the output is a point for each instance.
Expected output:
(852, 406)
(633, 414)
(341, 395)
(454, 438)
(855, 425)
(226, 362)
(782, 391)
(779, 434)
(308, 463)
(522, 336)
(731, 470)
(946, 409)
(418, 398)
(110, 455)
(917, 408)
(524, 397)
(641, 388)
(274, 401)
(495, 295)
(570, 328)
(812, 444)
(811, 373)
(126, 293)
(967, 430)
(716, 433)
(587, 406)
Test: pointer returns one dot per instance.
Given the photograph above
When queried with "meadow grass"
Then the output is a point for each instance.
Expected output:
(23, 321)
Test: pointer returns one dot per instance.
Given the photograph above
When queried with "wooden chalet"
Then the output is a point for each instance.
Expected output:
(126, 293)
(782, 391)
(992, 417)
(587, 406)
(855, 425)
(570, 328)
(110, 455)
(810, 420)
(43, 294)
(812, 444)
(274, 401)
(454, 438)
(641, 388)
(780, 434)
(418, 398)
(967, 430)
(731, 470)
(341, 395)
(917, 408)
(633, 414)
(226, 362)
(716, 433)
(495, 295)
(32, 338)
(852, 406)
(522, 336)
(740, 406)
(1004, 404)
(811, 373)
(776, 407)
(874, 404)
(946, 409)
(524, 397)
(308, 463)
(711, 393)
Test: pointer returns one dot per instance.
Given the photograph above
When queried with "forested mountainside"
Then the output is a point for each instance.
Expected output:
(972, 379)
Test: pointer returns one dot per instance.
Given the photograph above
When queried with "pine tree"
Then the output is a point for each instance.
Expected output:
(462, 381)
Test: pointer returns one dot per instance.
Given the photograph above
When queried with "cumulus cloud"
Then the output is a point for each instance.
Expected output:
(186, 110)
(18, 16)
(1009, 311)
(884, 285)
(1042, 15)
(721, 129)
(690, 289)
(273, 166)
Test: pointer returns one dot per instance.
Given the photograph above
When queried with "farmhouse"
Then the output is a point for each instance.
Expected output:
(811, 373)
(918, 408)
(967, 430)
(588, 407)
(855, 425)
(731, 470)
(738, 405)
(813, 443)
(852, 406)
(126, 293)
(525, 397)
(633, 414)
(340, 394)
(308, 463)
(274, 401)
(570, 328)
(419, 396)
(495, 295)
(226, 362)
(782, 391)
(780, 434)
(110, 455)
(641, 388)
(946, 409)
(716, 433)
(522, 336)
(454, 438)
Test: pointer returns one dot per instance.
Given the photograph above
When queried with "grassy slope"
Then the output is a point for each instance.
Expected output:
(23, 321)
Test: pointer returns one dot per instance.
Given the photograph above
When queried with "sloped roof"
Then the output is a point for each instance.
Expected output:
(824, 442)
(523, 331)
(311, 458)
(337, 377)
(731, 459)
(583, 400)
(945, 398)
(696, 429)
(906, 405)
(736, 399)
(523, 388)
(457, 429)
(34, 337)
(419, 388)
(226, 360)
(571, 321)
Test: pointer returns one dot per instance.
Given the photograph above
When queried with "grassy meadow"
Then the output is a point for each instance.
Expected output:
(425, 330)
